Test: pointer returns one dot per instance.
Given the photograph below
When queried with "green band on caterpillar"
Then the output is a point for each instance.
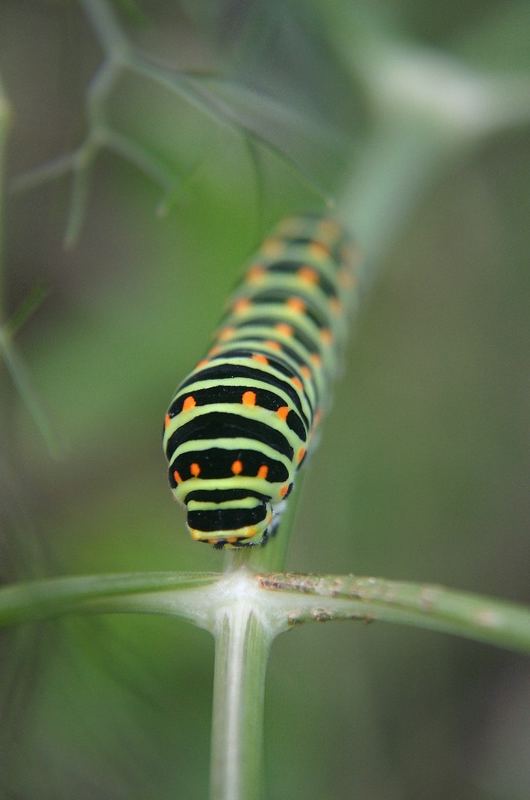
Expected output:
(241, 423)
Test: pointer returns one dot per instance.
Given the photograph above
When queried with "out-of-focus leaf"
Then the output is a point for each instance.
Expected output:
(27, 308)
(132, 10)
(265, 116)
(42, 173)
(287, 135)
(498, 40)
(24, 384)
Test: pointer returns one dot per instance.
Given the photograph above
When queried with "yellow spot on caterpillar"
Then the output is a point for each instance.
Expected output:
(203, 363)
(214, 351)
(318, 250)
(167, 421)
(241, 305)
(195, 469)
(315, 358)
(189, 403)
(297, 383)
(296, 304)
(231, 539)
(197, 535)
(261, 358)
(249, 398)
(283, 412)
(272, 344)
(237, 467)
(284, 490)
(300, 454)
(256, 274)
(263, 471)
(305, 372)
(225, 334)
(284, 329)
(326, 336)
(176, 475)
(307, 275)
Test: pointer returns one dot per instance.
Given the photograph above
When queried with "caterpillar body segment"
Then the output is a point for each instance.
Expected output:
(240, 425)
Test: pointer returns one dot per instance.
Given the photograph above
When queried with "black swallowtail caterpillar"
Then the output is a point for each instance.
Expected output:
(240, 425)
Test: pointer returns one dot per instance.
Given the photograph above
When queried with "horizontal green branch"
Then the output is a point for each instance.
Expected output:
(53, 597)
(321, 598)
(279, 600)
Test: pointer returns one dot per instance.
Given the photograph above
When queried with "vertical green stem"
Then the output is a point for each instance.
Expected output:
(242, 646)
(396, 167)
(273, 556)
(106, 26)
(5, 120)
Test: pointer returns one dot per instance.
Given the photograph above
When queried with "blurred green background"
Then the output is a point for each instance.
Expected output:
(422, 470)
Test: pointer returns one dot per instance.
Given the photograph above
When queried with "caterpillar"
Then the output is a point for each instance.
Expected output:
(239, 427)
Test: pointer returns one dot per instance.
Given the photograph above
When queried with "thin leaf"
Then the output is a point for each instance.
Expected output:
(255, 160)
(45, 172)
(78, 204)
(105, 25)
(169, 200)
(261, 118)
(142, 159)
(24, 384)
(27, 308)
(198, 95)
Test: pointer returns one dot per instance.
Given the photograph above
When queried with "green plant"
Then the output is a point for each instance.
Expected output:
(420, 128)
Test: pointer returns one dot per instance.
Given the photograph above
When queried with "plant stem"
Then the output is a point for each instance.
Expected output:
(279, 599)
(322, 598)
(54, 597)
(272, 556)
(106, 27)
(5, 121)
(396, 167)
(242, 644)
(24, 385)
